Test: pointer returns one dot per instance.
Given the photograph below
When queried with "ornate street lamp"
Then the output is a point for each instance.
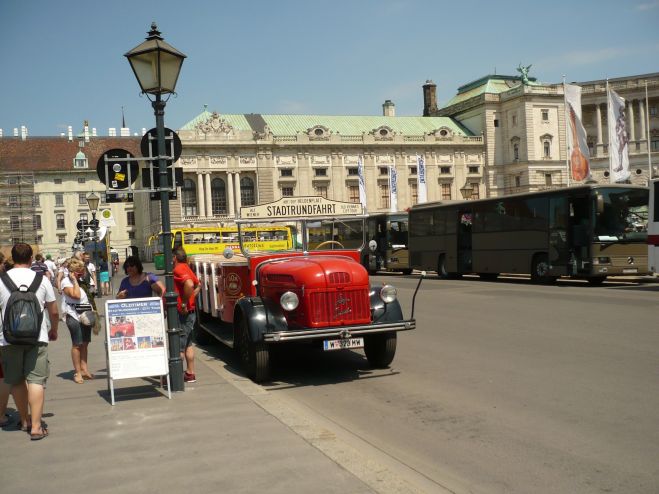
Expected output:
(466, 191)
(92, 202)
(157, 65)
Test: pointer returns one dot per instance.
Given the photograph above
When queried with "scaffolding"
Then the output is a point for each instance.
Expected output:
(17, 209)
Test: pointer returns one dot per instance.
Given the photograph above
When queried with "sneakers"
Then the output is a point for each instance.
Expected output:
(189, 378)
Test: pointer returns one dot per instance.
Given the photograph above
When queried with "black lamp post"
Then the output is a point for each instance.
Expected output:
(92, 202)
(157, 65)
(466, 191)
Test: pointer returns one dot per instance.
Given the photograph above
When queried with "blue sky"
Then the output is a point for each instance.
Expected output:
(63, 61)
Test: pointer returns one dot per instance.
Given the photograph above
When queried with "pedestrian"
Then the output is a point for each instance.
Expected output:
(39, 266)
(187, 287)
(52, 268)
(137, 283)
(76, 301)
(29, 363)
(91, 280)
(104, 276)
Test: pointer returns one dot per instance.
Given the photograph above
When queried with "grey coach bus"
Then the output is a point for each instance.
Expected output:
(587, 231)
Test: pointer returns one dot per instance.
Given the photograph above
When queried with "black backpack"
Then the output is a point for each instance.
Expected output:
(21, 322)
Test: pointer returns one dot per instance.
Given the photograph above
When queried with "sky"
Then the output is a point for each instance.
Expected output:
(63, 63)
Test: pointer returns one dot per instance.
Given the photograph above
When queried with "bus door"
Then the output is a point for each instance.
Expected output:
(559, 247)
(465, 220)
(579, 234)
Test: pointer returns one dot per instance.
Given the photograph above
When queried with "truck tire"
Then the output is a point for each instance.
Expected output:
(201, 337)
(380, 349)
(255, 356)
(540, 268)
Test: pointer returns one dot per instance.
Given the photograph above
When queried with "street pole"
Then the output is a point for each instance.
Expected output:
(173, 333)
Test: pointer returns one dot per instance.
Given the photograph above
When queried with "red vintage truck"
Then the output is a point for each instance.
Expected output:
(318, 292)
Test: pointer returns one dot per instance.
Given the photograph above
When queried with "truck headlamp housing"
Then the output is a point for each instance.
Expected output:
(388, 294)
(289, 301)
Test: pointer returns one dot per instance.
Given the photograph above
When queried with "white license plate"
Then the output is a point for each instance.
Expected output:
(631, 270)
(341, 344)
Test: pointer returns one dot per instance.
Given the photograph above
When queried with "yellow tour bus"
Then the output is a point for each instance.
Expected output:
(213, 240)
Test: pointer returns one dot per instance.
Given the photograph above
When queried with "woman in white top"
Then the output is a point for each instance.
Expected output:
(81, 334)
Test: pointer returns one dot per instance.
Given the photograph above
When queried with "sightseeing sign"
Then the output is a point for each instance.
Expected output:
(289, 208)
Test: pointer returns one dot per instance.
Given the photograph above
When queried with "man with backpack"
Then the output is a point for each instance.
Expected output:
(24, 296)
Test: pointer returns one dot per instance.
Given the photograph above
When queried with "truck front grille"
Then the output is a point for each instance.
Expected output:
(340, 307)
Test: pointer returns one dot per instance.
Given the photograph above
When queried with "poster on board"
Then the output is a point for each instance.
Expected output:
(136, 338)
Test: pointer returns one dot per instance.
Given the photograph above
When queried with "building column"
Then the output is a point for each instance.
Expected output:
(641, 115)
(232, 211)
(201, 209)
(632, 124)
(209, 196)
(237, 191)
(599, 145)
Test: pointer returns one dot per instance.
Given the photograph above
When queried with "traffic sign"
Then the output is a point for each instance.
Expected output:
(173, 146)
(148, 173)
(82, 225)
(116, 172)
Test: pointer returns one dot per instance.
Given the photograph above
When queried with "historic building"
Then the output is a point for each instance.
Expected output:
(44, 184)
(524, 132)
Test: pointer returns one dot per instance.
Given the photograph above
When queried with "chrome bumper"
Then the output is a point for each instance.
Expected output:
(338, 332)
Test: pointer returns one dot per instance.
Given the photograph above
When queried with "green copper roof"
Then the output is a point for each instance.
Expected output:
(342, 124)
(491, 84)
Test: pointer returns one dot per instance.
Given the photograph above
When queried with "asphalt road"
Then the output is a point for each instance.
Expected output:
(505, 387)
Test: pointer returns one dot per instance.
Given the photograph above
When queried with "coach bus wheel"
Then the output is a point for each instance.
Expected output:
(441, 268)
(380, 349)
(596, 280)
(254, 356)
(540, 269)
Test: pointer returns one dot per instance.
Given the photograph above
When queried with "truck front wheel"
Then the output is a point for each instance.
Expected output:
(255, 356)
(380, 349)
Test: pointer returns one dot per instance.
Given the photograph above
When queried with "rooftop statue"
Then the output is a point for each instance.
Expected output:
(525, 73)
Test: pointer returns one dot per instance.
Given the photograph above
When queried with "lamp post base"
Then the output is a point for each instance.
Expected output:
(175, 362)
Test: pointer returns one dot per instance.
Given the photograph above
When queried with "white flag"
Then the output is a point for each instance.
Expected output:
(393, 189)
(421, 180)
(578, 145)
(618, 139)
(362, 183)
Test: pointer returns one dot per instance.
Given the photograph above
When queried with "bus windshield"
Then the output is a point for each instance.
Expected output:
(621, 215)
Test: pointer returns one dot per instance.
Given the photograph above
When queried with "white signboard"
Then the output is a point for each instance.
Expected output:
(136, 339)
(288, 208)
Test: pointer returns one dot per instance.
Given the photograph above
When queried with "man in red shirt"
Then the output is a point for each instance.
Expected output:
(186, 285)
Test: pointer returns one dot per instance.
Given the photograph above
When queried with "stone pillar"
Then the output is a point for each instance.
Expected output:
(209, 196)
(642, 118)
(237, 191)
(201, 209)
(632, 125)
(232, 211)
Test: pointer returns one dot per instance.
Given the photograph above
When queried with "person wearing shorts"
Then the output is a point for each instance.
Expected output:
(186, 285)
(29, 363)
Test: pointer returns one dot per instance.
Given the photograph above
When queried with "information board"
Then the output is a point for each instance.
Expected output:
(136, 338)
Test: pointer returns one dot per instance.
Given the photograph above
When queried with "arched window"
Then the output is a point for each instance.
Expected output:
(189, 198)
(219, 196)
(247, 192)
(547, 148)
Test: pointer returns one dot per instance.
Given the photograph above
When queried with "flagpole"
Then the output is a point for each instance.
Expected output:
(608, 130)
(567, 145)
(647, 129)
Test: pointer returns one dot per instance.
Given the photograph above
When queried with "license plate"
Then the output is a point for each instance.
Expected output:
(341, 344)
(631, 270)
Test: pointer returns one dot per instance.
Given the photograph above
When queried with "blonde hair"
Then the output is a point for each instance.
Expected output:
(74, 265)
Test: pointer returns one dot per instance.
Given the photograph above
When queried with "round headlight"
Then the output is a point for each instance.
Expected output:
(388, 293)
(289, 301)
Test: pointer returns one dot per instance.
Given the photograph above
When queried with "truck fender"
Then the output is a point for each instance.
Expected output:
(262, 315)
(382, 312)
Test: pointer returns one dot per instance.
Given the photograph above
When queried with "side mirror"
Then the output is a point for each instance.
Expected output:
(228, 253)
(372, 245)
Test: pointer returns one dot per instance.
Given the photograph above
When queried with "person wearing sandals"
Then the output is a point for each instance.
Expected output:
(29, 363)
(75, 301)
(139, 284)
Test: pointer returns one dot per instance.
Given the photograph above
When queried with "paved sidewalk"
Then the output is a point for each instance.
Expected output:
(210, 438)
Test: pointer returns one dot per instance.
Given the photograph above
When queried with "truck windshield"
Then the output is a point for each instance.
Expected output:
(623, 217)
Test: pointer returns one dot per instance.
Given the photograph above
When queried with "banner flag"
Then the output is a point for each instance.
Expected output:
(618, 138)
(362, 183)
(422, 191)
(578, 145)
(393, 189)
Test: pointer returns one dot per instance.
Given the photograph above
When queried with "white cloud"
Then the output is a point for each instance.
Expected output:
(647, 6)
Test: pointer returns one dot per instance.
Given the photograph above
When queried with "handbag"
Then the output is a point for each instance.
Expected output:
(81, 308)
(90, 318)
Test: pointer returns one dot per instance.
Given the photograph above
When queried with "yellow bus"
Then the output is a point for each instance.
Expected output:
(213, 240)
